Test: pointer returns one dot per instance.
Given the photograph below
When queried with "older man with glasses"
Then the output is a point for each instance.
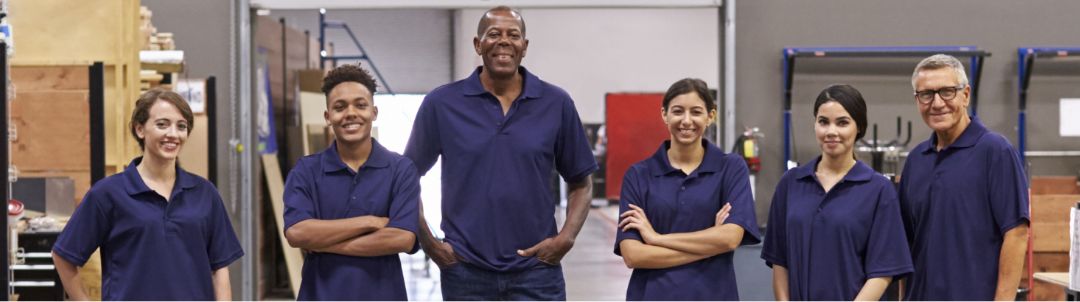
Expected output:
(963, 196)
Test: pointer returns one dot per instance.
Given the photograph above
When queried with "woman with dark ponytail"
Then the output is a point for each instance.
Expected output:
(835, 231)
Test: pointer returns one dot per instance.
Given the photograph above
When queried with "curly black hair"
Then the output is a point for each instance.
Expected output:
(347, 73)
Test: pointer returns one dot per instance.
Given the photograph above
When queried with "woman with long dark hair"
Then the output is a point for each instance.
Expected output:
(835, 231)
(686, 208)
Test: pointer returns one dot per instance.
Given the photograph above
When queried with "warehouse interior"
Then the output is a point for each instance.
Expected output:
(252, 71)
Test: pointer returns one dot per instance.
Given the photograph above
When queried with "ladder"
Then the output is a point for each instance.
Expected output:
(323, 57)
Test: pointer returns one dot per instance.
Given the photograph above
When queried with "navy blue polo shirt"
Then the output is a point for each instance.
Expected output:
(832, 242)
(957, 204)
(152, 249)
(322, 186)
(678, 203)
(496, 170)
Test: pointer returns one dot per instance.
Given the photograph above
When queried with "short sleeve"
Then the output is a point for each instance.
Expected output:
(573, 155)
(405, 202)
(299, 196)
(424, 144)
(737, 193)
(631, 194)
(887, 252)
(223, 246)
(87, 229)
(774, 250)
(1008, 190)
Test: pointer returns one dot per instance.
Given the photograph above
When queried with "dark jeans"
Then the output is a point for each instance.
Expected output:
(466, 282)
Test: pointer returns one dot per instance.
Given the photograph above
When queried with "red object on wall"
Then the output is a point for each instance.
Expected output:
(635, 130)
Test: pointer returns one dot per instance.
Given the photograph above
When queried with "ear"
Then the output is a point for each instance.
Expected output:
(967, 95)
(140, 131)
(663, 114)
(525, 48)
(326, 115)
(375, 115)
(712, 116)
(476, 45)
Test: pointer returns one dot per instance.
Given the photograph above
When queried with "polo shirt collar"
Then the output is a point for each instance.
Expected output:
(860, 172)
(331, 160)
(532, 87)
(968, 138)
(135, 184)
(711, 161)
(659, 163)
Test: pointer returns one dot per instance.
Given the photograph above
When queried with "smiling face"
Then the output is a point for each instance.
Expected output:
(945, 117)
(835, 130)
(164, 133)
(687, 117)
(501, 43)
(350, 112)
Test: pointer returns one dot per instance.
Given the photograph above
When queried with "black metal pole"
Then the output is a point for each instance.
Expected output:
(1025, 81)
(322, 39)
(975, 81)
(5, 156)
(97, 122)
(307, 49)
(211, 124)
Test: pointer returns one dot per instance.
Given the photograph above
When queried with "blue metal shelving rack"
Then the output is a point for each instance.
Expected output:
(791, 53)
(1026, 62)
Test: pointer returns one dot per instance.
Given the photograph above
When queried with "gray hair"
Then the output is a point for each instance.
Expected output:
(939, 61)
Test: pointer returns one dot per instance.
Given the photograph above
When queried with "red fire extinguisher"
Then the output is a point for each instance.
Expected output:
(748, 146)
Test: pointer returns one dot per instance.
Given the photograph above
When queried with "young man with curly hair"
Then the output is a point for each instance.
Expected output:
(353, 207)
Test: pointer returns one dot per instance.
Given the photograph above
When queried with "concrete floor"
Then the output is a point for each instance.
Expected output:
(592, 271)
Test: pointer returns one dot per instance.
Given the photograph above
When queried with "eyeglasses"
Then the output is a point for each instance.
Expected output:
(947, 94)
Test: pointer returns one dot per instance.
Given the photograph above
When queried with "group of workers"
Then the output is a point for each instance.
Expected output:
(956, 229)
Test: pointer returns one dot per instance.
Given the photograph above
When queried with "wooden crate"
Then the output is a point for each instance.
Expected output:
(51, 120)
(1041, 185)
(1047, 262)
(51, 78)
(1050, 231)
(76, 36)
(53, 131)
(1050, 221)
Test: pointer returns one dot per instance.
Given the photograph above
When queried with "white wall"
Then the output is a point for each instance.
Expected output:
(591, 52)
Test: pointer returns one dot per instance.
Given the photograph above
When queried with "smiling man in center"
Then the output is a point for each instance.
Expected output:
(500, 133)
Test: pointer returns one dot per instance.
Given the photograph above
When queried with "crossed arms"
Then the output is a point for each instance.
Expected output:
(674, 249)
(363, 236)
